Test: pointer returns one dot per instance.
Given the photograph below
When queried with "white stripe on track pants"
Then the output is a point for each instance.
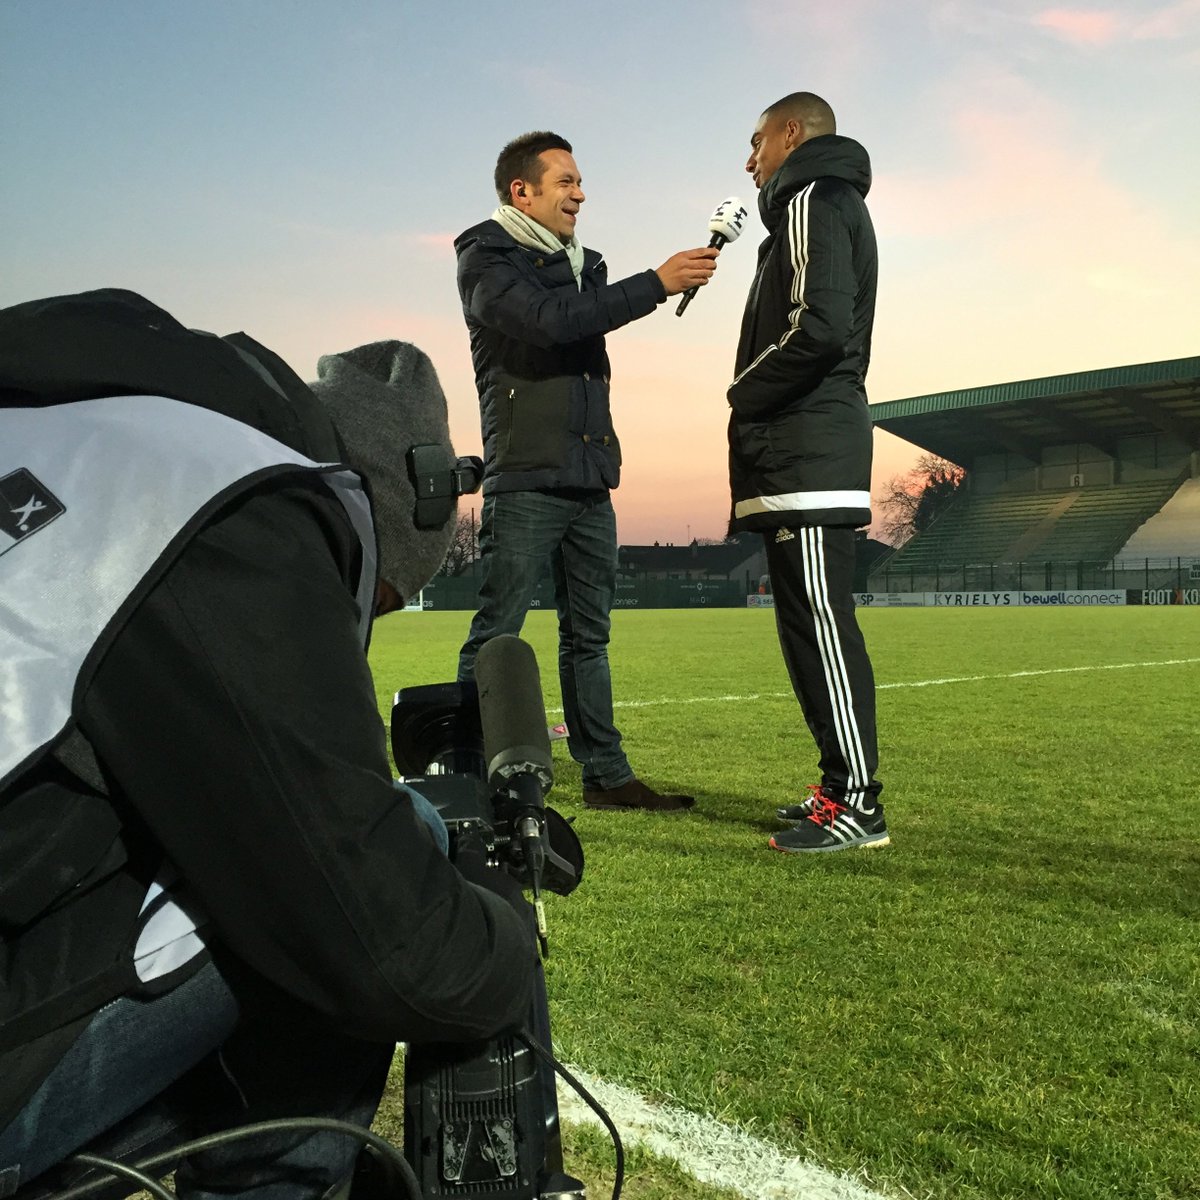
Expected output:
(812, 576)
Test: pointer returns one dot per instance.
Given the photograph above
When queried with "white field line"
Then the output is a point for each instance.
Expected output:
(712, 1152)
(912, 683)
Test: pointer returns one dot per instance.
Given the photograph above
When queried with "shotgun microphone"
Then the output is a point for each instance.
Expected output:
(515, 741)
(517, 749)
(725, 225)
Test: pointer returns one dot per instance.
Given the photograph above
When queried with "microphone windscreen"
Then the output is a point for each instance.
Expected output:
(511, 711)
(729, 218)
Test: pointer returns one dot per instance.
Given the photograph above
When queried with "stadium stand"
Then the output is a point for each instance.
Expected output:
(1175, 525)
(1101, 520)
(1060, 472)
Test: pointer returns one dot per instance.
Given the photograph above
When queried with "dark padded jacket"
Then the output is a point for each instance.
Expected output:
(800, 430)
(256, 764)
(541, 370)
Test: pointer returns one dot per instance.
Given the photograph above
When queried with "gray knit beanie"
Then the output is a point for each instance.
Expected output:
(383, 399)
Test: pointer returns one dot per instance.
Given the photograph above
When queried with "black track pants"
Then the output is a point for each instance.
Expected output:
(812, 576)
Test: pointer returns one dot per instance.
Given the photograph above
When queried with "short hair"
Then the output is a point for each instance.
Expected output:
(519, 159)
(811, 111)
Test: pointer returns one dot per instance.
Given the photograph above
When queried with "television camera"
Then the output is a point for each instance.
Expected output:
(481, 1120)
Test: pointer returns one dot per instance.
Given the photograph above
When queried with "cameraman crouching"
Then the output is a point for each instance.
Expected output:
(215, 906)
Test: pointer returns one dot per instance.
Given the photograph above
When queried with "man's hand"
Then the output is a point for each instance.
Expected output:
(687, 269)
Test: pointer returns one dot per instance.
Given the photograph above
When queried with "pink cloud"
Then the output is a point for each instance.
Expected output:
(435, 241)
(1025, 243)
(1083, 27)
(1173, 22)
(1103, 27)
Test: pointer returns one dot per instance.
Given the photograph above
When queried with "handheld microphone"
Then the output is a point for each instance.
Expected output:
(725, 225)
(516, 747)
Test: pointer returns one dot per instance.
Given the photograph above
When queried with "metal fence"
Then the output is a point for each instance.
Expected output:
(462, 592)
(1081, 575)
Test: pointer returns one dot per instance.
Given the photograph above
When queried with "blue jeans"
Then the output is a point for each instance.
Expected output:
(517, 533)
(149, 1073)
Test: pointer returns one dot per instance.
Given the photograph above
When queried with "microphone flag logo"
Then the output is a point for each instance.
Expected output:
(729, 218)
(725, 225)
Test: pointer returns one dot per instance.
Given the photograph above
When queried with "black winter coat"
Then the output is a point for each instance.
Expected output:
(800, 431)
(234, 721)
(541, 370)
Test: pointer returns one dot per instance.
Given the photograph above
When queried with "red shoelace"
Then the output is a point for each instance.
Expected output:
(825, 808)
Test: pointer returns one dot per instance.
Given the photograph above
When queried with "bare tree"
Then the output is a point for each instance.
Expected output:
(909, 502)
(728, 540)
(464, 545)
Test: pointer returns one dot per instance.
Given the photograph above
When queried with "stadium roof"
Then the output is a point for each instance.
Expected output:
(1093, 407)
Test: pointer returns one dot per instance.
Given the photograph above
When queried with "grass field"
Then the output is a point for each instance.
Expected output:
(1004, 1003)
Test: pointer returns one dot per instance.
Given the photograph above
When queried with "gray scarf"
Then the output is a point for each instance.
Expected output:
(529, 233)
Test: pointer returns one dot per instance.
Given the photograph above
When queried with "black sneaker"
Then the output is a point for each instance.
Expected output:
(833, 826)
(791, 813)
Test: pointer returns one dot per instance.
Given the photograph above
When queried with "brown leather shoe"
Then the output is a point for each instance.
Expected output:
(635, 794)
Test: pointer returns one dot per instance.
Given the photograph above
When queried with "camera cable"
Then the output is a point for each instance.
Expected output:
(541, 1052)
(140, 1172)
(146, 1182)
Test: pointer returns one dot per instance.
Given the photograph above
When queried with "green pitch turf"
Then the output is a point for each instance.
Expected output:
(1002, 1005)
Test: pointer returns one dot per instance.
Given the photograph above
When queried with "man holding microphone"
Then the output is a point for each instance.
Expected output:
(538, 306)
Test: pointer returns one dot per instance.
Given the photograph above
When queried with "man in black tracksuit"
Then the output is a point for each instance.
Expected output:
(800, 447)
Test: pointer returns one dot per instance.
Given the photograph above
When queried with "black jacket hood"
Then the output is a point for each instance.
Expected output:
(824, 157)
(113, 342)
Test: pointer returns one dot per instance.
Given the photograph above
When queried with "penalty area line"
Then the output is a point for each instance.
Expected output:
(709, 1150)
(912, 683)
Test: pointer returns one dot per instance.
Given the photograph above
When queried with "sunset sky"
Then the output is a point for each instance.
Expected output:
(299, 168)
